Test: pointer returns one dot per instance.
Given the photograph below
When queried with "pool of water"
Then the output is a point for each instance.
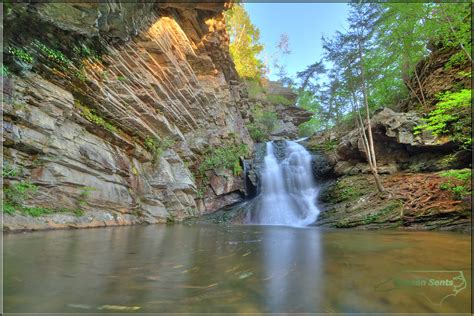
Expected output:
(236, 269)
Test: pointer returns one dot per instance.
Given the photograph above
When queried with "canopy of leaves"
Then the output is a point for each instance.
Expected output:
(378, 55)
(244, 43)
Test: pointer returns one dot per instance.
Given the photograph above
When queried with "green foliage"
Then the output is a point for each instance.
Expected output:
(9, 171)
(256, 132)
(451, 117)
(263, 124)
(91, 116)
(278, 99)
(84, 194)
(21, 54)
(60, 61)
(226, 157)
(157, 146)
(458, 182)
(83, 51)
(78, 212)
(5, 71)
(254, 88)
(17, 193)
(328, 145)
(370, 218)
(376, 58)
(122, 78)
(244, 43)
(54, 55)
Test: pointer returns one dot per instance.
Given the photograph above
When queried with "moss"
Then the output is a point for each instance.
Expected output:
(370, 218)
(345, 224)
(91, 116)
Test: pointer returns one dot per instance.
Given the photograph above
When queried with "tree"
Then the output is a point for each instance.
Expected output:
(283, 50)
(361, 19)
(244, 44)
(310, 75)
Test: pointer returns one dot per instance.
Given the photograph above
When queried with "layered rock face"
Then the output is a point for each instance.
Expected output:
(434, 75)
(116, 135)
(396, 146)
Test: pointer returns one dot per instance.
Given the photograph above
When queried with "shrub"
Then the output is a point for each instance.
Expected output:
(227, 157)
(5, 71)
(254, 88)
(21, 54)
(15, 196)
(157, 146)
(458, 182)
(256, 132)
(278, 99)
(263, 124)
(451, 117)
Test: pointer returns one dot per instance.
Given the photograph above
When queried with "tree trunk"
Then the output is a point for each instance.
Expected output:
(370, 145)
(421, 89)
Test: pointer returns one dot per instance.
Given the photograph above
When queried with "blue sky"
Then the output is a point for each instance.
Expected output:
(304, 23)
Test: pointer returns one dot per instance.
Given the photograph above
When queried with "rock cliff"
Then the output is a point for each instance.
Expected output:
(109, 106)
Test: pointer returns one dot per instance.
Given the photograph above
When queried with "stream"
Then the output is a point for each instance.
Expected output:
(236, 269)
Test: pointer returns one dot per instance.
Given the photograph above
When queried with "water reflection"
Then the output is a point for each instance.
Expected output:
(293, 264)
(232, 269)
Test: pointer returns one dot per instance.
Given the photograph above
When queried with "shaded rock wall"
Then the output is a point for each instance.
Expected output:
(396, 146)
(164, 73)
(436, 76)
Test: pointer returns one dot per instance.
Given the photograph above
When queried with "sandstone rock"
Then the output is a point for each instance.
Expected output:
(167, 73)
(275, 88)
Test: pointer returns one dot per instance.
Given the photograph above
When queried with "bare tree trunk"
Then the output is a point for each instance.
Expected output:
(421, 89)
(406, 77)
(370, 143)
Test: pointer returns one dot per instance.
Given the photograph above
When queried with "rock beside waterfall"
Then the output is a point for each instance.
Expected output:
(397, 147)
(93, 140)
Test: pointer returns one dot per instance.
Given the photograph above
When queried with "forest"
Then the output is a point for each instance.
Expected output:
(372, 64)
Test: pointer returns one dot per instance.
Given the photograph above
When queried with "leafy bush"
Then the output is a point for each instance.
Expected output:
(4, 71)
(310, 127)
(458, 182)
(254, 88)
(21, 54)
(16, 194)
(227, 157)
(278, 99)
(256, 132)
(451, 117)
(157, 146)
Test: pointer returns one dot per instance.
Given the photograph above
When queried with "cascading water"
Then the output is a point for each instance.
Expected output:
(288, 190)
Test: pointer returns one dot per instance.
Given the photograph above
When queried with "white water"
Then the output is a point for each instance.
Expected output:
(288, 192)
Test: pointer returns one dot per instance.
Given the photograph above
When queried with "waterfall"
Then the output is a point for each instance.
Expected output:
(288, 190)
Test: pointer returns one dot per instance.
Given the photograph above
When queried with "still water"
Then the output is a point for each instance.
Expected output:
(236, 269)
